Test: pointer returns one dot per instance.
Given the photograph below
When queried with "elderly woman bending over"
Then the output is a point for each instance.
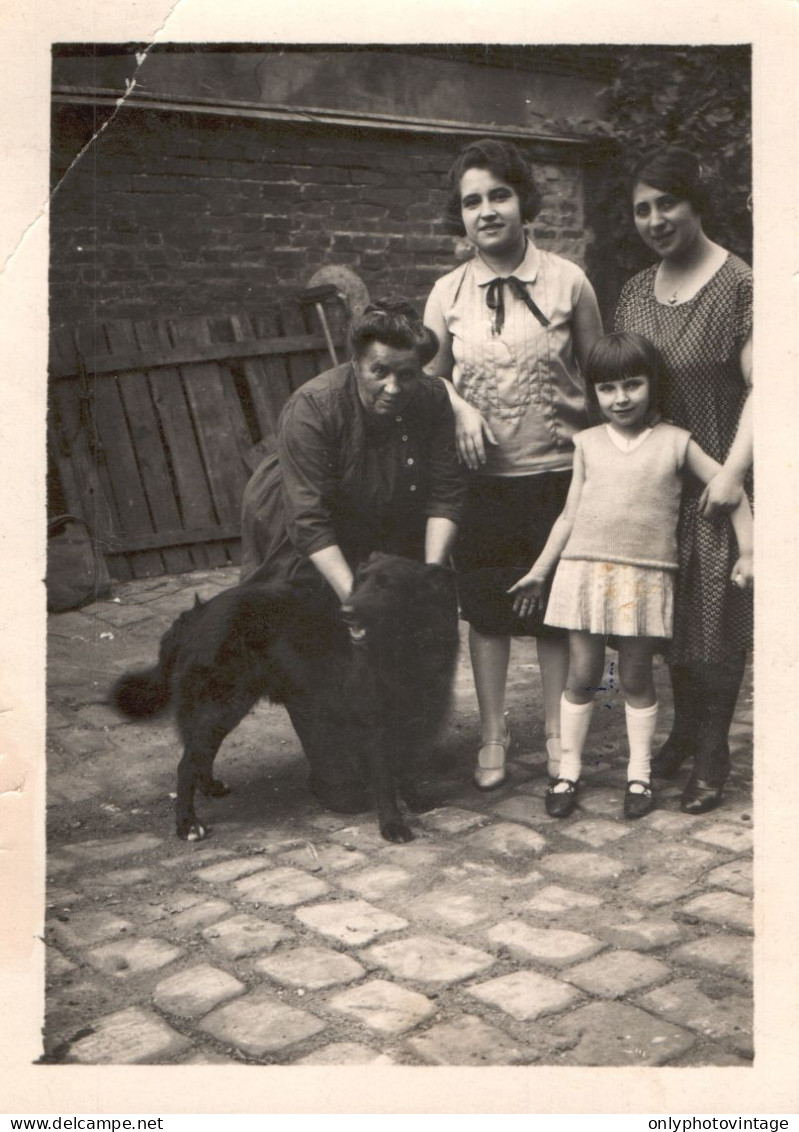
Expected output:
(366, 461)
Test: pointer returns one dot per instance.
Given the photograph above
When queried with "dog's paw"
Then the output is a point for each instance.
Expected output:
(193, 831)
(396, 830)
(216, 788)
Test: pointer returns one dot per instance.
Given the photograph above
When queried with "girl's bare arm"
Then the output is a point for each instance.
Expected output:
(531, 586)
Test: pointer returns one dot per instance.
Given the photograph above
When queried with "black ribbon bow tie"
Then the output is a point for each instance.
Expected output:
(496, 302)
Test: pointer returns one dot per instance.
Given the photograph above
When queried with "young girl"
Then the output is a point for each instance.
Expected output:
(615, 547)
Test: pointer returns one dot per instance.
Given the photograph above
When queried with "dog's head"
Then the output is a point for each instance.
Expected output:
(395, 592)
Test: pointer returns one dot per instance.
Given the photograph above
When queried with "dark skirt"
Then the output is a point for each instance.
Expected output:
(507, 523)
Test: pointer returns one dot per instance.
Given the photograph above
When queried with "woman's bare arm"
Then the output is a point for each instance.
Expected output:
(333, 567)
(725, 490)
(472, 431)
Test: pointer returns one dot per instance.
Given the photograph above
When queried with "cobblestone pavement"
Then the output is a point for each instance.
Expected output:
(499, 936)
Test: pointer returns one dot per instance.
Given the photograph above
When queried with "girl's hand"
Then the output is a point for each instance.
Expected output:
(723, 493)
(529, 592)
(471, 434)
(743, 572)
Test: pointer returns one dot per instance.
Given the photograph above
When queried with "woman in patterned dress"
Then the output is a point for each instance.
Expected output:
(696, 306)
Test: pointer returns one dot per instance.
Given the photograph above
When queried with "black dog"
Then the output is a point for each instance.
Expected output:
(375, 682)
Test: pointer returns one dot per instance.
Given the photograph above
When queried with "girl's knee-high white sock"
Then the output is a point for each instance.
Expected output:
(641, 724)
(575, 720)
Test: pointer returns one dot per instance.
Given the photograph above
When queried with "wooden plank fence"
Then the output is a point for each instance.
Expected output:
(155, 427)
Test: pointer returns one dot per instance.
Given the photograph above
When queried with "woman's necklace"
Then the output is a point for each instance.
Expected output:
(672, 296)
(687, 280)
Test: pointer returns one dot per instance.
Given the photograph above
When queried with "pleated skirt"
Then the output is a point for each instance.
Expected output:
(612, 598)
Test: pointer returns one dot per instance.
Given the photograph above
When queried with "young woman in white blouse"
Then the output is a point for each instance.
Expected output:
(515, 325)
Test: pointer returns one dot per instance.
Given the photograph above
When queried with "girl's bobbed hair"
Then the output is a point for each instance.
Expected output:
(506, 163)
(620, 355)
(676, 171)
(394, 322)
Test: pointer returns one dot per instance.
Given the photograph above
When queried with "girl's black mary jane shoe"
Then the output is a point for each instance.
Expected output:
(638, 803)
(560, 803)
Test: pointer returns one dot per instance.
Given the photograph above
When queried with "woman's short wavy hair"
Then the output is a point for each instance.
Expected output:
(676, 171)
(620, 355)
(394, 322)
(506, 163)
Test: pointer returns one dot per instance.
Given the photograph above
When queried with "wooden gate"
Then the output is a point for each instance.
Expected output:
(155, 427)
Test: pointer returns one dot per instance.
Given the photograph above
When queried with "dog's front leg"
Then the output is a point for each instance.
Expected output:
(384, 784)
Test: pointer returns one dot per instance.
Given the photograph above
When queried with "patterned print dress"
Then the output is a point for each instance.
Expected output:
(704, 392)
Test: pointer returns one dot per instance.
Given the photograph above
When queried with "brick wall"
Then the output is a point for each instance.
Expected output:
(175, 214)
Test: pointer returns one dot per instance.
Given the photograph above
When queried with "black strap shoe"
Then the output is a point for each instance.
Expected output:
(638, 803)
(559, 804)
(699, 796)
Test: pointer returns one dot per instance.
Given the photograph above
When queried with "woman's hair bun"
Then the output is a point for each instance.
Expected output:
(394, 322)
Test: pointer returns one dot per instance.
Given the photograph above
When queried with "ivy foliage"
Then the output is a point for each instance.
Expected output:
(696, 97)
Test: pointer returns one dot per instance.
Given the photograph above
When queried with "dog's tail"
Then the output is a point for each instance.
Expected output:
(141, 694)
(145, 693)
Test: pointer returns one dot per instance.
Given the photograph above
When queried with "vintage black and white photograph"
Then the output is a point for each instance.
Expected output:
(399, 502)
(346, 340)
